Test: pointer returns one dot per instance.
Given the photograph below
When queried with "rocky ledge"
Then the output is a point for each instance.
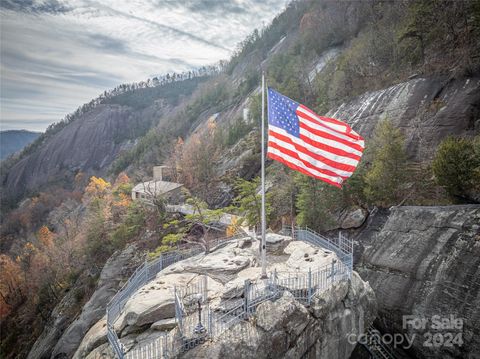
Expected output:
(286, 329)
(320, 330)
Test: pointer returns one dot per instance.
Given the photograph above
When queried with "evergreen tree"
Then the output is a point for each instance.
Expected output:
(456, 165)
(315, 201)
(385, 179)
(249, 201)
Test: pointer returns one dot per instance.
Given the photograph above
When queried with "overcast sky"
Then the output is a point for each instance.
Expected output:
(57, 55)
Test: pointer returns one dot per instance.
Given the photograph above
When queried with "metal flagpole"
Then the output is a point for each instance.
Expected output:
(264, 247)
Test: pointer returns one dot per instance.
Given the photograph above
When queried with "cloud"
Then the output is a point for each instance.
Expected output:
(30, 6)
(57, 55)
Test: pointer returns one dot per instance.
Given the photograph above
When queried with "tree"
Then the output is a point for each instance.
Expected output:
(315, 201)
(199, 156)
(174, 160)
(45, 236)
(456, 166)
(10, 284)
(204, 217)
(249, 201)
(97, 187)
(385, 179)
(201, 219)
(283, 196)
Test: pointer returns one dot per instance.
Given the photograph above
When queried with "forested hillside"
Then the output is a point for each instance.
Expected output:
(404, 74)
(92, 137)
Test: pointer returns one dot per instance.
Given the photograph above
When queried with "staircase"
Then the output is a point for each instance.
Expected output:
(375, 346)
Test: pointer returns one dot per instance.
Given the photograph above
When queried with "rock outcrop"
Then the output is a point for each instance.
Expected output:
(335, 312)
(426, 109)
(88, 144)
(424, 261)
(286, 329)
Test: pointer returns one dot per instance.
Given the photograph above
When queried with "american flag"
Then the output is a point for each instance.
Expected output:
(320, 147)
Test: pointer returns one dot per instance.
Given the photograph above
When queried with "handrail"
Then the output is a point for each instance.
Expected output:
(140, 277)
(303, 285)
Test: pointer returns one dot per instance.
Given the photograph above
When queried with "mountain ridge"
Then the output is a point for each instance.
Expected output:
(12, 141)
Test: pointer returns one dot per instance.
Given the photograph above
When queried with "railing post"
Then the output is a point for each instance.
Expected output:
(205, 289)
(333, 270)
(275, 288)
(145, 269)
(165, 345)
(310, 289)
(210, 323)
(246, 293)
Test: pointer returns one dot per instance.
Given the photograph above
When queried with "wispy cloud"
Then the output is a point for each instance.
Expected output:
(57, 55)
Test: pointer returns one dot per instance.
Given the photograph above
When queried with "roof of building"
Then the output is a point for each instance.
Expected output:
(156, 187)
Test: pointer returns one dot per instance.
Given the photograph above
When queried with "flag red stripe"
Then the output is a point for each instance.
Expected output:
(326, 119)
(299, 169)
(328, 136)
(312, 116)
(305, 162)
(331, 163)
(330, 149)
(350, 136)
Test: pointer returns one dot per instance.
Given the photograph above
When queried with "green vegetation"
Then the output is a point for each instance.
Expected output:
(386, 178)
(130, 227)
(381, 179)
(456, 166)
(141, 98)
(152, 140)
(194, 228)
(213, 97)
(282, 196)
(237, 131)
(249, 201)
(315, 202)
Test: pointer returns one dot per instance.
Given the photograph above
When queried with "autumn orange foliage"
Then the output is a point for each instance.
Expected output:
(97, 187)
(45, 236)
(122, 178)
(10, 281)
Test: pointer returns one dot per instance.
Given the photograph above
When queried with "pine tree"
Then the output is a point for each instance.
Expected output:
(249, 201)
(456, 165)
(385, 179)
(315, 201)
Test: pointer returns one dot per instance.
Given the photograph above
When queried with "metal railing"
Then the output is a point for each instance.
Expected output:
(303, 286)
(144, 274)
(375, 345)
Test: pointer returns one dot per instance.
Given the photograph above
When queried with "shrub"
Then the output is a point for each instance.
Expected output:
(456, 166)
(133, 223)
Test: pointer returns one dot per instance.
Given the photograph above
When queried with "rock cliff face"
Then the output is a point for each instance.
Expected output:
(426, 109)
(425, 261)
(88, 144)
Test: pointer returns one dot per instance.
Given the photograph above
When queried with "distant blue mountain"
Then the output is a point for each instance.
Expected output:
(14, 140)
